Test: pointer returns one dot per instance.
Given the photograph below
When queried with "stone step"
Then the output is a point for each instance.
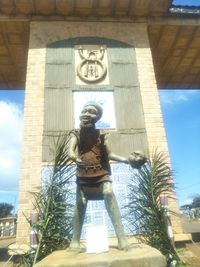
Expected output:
(139, 255)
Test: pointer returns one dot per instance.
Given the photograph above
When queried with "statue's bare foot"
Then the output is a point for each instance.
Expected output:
(75, 247)
(123, 245)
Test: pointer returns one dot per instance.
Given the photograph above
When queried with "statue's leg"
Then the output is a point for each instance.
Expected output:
(78, 218)
(115, 216)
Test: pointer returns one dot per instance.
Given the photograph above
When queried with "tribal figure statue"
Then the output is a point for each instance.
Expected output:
(89, 149)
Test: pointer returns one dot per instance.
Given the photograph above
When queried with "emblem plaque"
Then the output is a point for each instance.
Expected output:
(91, 64)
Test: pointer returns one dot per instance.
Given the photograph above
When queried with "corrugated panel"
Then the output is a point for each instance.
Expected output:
(125, 143)
(59, 81)
(60, 75)
(58, 110)
(128, 108)
(121, 52)
(49, 139)
(131, 134)
(59, 51)
(59, 65)
(124, 74)
(123, 65)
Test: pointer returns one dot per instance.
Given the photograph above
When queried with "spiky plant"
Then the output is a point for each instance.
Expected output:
(146, 212)
(52, 203)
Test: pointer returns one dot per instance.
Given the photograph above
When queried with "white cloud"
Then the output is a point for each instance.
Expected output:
(172, 97)
(187, 201)
(10, 144)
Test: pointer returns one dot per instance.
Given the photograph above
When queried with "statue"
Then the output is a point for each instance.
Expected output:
(89, 149)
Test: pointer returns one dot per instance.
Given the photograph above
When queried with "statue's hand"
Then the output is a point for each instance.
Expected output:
(137, 159)
(75, 159)
(78, 160)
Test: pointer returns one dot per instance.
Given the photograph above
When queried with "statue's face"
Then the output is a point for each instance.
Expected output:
(89, 116)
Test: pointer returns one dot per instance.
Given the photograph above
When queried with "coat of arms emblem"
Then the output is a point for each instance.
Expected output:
(91, 67)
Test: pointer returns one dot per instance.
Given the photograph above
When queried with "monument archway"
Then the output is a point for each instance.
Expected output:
(52, 81)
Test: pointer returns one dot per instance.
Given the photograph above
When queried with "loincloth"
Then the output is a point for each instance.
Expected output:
(92, 187)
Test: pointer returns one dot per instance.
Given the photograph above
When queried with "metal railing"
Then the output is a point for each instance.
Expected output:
(8, 226)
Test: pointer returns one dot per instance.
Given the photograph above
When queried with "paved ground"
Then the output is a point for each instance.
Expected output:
(191, 226)
(4, 243)
(191, 255)
(195, 249)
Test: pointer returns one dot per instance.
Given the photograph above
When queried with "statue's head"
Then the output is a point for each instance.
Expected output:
(90, 114)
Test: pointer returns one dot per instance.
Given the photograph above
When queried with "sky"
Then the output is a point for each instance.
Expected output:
(11, 122)
(181, 116)
(187, 2)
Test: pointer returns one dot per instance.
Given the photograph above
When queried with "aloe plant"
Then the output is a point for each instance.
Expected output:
(147, 215)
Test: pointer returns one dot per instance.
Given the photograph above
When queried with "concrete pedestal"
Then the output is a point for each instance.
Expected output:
(139, 255)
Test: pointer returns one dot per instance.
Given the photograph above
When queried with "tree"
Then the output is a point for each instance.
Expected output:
(192, 210)
(196, 202)
(5, 209)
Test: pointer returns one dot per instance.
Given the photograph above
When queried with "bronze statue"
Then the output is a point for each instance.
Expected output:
(90, 151)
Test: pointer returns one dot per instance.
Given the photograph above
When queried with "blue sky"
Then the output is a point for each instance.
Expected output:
(11, 123)
(187, 2)
(181, 115)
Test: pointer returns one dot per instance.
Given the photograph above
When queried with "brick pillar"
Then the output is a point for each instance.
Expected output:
(156, 135)
(32, 139)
